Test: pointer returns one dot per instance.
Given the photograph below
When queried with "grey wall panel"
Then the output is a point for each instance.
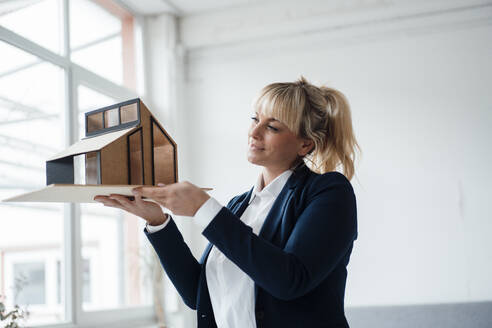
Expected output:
(459, 315)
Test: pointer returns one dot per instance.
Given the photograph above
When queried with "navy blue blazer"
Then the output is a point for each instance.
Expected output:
(298, 261)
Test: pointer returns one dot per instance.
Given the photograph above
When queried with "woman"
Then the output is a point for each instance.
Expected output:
(278, 253)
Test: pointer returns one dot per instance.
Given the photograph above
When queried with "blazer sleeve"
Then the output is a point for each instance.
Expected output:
(322, 235)
(178, 261)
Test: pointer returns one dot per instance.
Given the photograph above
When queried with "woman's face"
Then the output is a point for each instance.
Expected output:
(272, 145)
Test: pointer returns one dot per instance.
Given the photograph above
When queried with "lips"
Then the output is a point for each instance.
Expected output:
(255, 147)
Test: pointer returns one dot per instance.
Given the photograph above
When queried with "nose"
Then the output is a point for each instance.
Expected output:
(255, 131)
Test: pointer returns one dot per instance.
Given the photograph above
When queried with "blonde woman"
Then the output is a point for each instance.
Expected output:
(278, 253)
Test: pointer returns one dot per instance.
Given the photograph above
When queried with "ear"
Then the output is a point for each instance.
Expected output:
(307, 145)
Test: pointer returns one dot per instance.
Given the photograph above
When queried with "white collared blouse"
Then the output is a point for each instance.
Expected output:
(231, 290)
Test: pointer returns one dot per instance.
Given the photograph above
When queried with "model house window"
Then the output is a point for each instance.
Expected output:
(162, 156)
(129, 113)
(95, 122)
(135, 155)
(92, 168)
(112, 118)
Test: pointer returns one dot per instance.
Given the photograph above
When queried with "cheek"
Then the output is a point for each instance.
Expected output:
(282, 144)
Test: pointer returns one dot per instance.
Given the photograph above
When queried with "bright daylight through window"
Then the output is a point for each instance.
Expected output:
(51, 252)
(31, 129)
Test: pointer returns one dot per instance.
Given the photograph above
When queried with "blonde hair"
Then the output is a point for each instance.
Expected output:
(320, 114)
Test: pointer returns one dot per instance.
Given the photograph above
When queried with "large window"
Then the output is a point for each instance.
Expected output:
(31, 129)
(82, 264)
(37, 20)
(101, 39)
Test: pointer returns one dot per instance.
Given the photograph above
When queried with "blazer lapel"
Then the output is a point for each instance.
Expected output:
(238, 210)
(274, 217)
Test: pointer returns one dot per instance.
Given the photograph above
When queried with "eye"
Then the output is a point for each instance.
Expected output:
(254, 119)
(272, 128)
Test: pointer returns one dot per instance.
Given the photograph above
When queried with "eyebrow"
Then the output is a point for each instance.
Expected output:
(270, 119)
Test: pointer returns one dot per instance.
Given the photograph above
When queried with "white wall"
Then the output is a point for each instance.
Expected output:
(422, 108)
(418, 79)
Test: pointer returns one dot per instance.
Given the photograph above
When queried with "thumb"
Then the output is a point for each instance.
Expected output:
(138, 199)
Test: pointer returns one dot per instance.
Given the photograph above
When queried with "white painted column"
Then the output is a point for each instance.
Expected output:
(163, 62)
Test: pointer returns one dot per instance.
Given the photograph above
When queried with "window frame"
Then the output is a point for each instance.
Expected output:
(119, 126)
(75, 75)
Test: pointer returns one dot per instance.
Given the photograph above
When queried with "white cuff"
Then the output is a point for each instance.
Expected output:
(152, 229)
(207, 212)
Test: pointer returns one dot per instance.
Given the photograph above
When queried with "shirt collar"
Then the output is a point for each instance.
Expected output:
(273, 189)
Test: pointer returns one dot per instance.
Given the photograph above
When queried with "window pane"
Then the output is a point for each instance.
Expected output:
(113, 245)
(94, 122)
(33, 275)
(129, 113)
(38, 21)
(106, 45)
(111, 118)
(31, 130)
(86, 281)
(90, 22)
(103, 58)
(90, 99)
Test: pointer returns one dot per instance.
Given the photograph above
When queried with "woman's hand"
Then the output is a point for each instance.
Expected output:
(149, 211)
(182, 198)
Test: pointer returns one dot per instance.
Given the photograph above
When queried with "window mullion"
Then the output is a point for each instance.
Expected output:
(71, 222)
(66, 29)
(33, 48)
(72, 236)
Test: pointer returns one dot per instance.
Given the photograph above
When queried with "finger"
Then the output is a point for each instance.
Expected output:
(123, 200)
(140, 191)
(150, 192)
(138, 200)
(109, 202)
(100, 198)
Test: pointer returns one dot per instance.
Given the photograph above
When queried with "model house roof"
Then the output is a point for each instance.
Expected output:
(92, 144)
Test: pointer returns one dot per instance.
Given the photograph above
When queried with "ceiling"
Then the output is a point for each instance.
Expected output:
(182, 7)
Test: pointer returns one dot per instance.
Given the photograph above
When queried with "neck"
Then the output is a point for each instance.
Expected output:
(270, 173)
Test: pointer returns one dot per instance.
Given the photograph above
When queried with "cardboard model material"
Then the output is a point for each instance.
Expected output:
(66, 193)
(124, 147)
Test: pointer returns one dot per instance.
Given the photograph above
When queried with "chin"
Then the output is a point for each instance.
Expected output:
(254, 160)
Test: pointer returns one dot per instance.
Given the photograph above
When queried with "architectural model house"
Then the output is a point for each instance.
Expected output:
(124, 146)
